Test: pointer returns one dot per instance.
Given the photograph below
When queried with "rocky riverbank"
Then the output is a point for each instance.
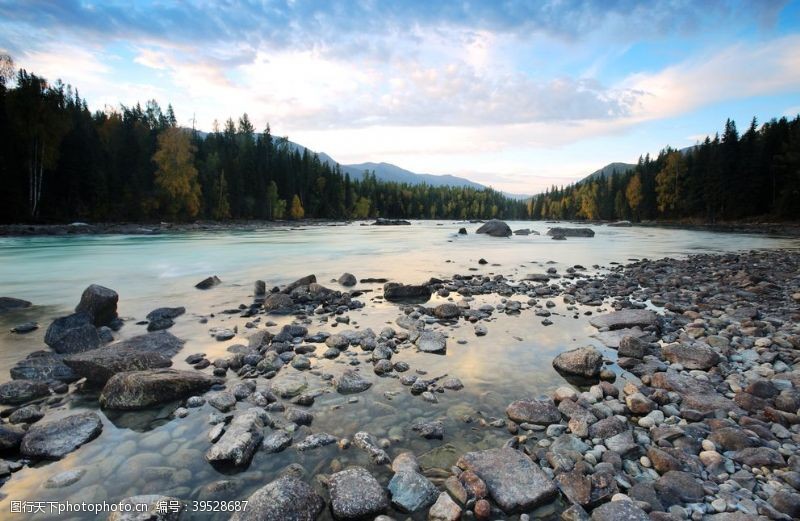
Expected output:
(689, 412)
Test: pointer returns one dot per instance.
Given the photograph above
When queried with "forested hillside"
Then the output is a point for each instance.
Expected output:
(61, 162)
(729, 177)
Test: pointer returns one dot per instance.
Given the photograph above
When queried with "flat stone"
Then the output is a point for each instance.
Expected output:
(141, 389)
(539, 412)
(445, 509)
(677, 487)
(626, 318)
(17, 392)
(514, 481)
(43, 366)
(240, 440)
(286, 498)
(9, 303)
(759, 457)
(56, 438)
(619, 511)
(695, 356)
(356, 494)
(276, 442)
(98, 365)
(432, 342)
(412, 492)
(64, 479)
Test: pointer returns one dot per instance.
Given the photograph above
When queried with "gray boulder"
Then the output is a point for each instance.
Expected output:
(626, 318)
(539, 412)
(432, 342)
(583, 361)
(396, 292)
(17, 392)
(286, 498)
(100, 303)
(351, 382)
(412, 492)
(43, 366)
(140, 389)
(72, 334)
(278, 303)
(208, 282)
(240, 440)
(694, 356)
(570, 232)
(55, 439)
(619, 511)
(10, 303)
(356, 494)
(495, 228)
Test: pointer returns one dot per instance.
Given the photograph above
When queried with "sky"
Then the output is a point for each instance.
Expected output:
(512, 94)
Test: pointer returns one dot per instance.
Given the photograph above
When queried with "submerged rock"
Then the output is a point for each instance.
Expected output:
(57, 438)
(411, 491)
(141, 389)
(10, 303)
(539, 412)
(43, 366)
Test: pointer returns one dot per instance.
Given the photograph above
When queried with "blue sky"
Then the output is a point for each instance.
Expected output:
(518, 95)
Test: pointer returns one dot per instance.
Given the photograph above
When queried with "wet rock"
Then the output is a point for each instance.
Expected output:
(240, 440)
(570, 232)
(365, 441)
(619, 511)
(786, 502)
(405, 462)
(583, 361)
(347, 279)
(43, 366)
(732, 438)
(10, 303)
(462, 231)
(639, 404)
(286, 498)
(276, 442)
(633, 347)
(356, 494)
(759, 457)
(141, 389)
(695, 356)
(495, 228)
(27, 414)
(72, 334)
(223, 401)
(25, 327)
(430, 430)
(515, 482)
(446, 311)
(351, 382)
(539, 412)
(208, 282)
(432, 342)
(445, 509)
(65, 479)
(98, 365)
(278, 303)
(626, 318)
(411, 491)
(315, 441)
(100, 303)
(57, 438)
(395, 292)
(16, 392)
(10, 437)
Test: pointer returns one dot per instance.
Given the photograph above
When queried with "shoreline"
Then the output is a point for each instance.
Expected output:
(694, 414)
(778, 229)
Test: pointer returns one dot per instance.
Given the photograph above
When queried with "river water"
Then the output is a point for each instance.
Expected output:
(150, 452)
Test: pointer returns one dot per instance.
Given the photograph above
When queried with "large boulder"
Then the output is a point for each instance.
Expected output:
(286, 498)
(9, 303)
(43, 366)
(691, 356)
(356, 494)
(396, 292)
(495, 228)
(514, 481)
(240, 440)
(540, 412)
(140, 389)
(626, 318)
(149, 351)
(72, 334)
(55, 439)
(17, 392)
(583, 361)
(100, 303)
(570, 232)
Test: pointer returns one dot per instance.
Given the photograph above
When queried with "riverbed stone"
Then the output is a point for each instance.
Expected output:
(43, 366)
(619, 511)
(240, 440)
(625, 318)
(432, 342)
(676, 487)
(539, 412)
(142, 389)
(18, 392)
(100, 303)
(583, 361)
(286, 498)
(445, 509)
(411, 491)
(691, 356)
(72, 334)
(98, 365)
(514, 481)
(351, 382)
(55, 439)
(356, 494)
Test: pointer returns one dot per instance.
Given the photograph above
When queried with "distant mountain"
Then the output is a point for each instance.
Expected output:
(391, 173)
(609, 169)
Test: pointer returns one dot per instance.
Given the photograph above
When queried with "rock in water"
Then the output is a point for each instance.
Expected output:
(55, 439)
(583, 361)
(495, 228)
(395, 292)
(462, 231)
(20, 391)
(98, 365)
(347, 279)
(620, 224)
(447, 310)
(412, 492)
(445, 509)
(43, 366)
(356, 494)
(432, 342)
(570, 232)
(141, 389)
(241, 439)
(390, 222)
(303, 281)
(151, 511)
(514, 481)
(100, 303)
(626, 318)
(286, 498)
(72, 334)
(208, 282)
(539, 412)
(278, 303)
(351, 382)
(9, 303)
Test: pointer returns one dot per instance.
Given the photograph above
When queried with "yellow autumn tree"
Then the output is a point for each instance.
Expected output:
(296, 211)
(176, 177)
(634, 194)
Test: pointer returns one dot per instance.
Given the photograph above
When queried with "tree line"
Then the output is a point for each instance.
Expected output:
(729, 177)
(61, 162)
